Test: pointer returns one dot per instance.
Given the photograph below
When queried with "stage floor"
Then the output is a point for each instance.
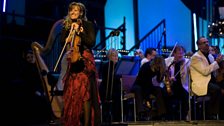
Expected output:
(170, 123)
(141, 123)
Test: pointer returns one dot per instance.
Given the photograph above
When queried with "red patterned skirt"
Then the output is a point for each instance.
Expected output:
(78, 88)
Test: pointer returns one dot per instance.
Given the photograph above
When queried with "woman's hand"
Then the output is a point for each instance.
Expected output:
(69, 54)
(77, 27)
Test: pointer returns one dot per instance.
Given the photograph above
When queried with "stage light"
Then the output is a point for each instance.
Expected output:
(216, 29)
(123, 52)
(195, 30)
(4, 6)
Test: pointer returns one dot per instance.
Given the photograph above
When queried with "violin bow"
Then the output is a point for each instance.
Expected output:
(173, 49)
(63, 49)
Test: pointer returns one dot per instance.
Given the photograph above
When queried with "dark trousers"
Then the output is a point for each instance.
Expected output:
(179, 97)
(143, 94)
(138, 98)
(214, 92)
(111, 110)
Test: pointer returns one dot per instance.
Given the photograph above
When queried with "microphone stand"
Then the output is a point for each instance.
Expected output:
(159, 43)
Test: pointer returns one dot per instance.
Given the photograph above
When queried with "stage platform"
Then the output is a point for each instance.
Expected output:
(140, 123)
(170, 123)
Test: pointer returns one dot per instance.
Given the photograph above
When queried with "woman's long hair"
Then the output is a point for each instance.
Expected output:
(158, 65)
(68, 20)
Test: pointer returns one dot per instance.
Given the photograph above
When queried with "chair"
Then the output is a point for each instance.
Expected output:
(200, 100)
(126, 84)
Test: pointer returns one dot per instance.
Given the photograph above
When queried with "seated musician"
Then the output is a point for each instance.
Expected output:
(215, 51)
(220, 82)
(202, 69)
(143, 86)
(150, 54)
(37, 108)
(139, 53)
(178, 68)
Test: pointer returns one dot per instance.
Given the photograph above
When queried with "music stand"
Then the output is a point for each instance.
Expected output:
(128, 65)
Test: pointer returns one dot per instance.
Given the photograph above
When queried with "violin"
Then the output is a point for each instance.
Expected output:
(75, 43)
(167, 80)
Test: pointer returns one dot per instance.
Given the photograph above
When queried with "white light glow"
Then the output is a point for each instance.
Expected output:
(4, 6)
(195, 30)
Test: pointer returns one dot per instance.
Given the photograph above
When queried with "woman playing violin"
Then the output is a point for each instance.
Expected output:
(80, 86)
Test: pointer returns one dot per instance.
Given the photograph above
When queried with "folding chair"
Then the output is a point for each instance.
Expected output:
(126, 84)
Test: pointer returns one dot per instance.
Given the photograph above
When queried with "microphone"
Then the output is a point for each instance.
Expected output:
(115, 33)
(112, 33)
